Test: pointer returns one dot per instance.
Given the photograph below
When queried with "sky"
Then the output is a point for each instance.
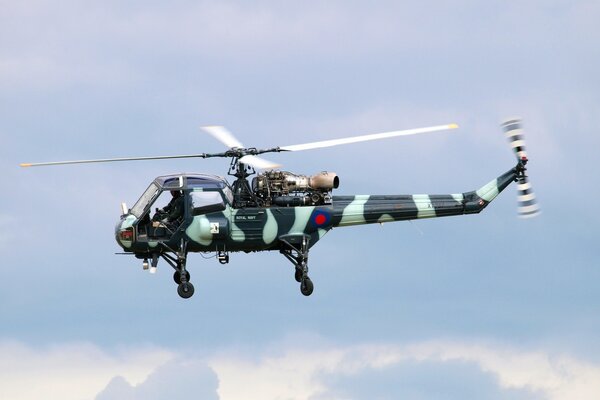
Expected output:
(485, 306)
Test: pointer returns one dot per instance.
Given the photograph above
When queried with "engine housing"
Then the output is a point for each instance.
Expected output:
(286, 189)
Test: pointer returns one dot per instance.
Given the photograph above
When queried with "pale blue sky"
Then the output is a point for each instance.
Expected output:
(485, 306)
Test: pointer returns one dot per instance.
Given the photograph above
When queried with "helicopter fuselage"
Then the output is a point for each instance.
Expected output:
(229, 229)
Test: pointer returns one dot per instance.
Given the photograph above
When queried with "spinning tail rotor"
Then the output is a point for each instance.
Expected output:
(528, 206)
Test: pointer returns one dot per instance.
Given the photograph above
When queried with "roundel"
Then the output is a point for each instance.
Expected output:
(321, 218)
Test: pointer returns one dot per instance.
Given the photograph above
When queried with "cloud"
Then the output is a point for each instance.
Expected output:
(557, 376)
(118, 388)
(317, 374)
(296, 369)
(173, 380)
(420, 380)
(70, 371)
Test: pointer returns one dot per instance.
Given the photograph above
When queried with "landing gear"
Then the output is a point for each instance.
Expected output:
(296, 250)
(177, 276)
(185, 290)
(306, 286)
(181, 276)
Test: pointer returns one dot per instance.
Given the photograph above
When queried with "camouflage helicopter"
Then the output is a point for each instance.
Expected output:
(278, 210)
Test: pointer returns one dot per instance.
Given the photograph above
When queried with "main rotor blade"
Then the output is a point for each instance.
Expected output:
(258, 162)
(223, 135)
(364, 138)
(43, 164)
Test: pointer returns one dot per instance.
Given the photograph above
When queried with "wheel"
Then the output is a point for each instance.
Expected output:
(185, 290)
(298, 275)
(177, 277)
(306, 286)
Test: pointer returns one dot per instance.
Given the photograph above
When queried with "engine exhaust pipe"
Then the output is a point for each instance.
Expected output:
(325, 181)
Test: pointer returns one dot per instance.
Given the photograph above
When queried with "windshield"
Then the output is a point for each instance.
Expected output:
(141, 204)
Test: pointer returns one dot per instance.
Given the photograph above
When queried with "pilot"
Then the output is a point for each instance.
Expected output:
(172, 211)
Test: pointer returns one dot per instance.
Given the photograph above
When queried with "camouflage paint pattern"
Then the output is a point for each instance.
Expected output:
(259, 229)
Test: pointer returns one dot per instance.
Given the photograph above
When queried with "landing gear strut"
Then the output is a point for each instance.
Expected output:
(181, 276)
(297, 253)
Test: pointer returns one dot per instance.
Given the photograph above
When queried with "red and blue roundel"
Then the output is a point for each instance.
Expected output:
(321, 218)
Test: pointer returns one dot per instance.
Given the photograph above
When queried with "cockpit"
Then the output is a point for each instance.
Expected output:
(172, 200)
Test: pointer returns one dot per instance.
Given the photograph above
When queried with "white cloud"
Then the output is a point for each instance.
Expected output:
(176, 379)
(70, 371)
(82, 371)
(298, 374)
(558, 376)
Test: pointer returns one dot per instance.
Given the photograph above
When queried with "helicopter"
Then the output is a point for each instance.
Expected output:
(278, 210)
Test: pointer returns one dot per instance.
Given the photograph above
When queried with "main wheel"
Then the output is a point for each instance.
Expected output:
(306, 286)
(177, 277)
(298, 275)
(185, 290)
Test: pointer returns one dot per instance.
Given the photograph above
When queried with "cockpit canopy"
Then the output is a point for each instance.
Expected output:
(207, 192)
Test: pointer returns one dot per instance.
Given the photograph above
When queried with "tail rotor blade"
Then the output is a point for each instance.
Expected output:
(528, 206)
(513, 128)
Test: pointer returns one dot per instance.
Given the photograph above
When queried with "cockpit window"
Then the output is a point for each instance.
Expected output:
(141, 204)
(205, 182)
(205, 202)
(172, 183)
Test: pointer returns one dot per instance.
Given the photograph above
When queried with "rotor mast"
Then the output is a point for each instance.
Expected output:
(243, 195)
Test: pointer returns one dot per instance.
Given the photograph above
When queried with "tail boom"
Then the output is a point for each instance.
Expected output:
(368, 209)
